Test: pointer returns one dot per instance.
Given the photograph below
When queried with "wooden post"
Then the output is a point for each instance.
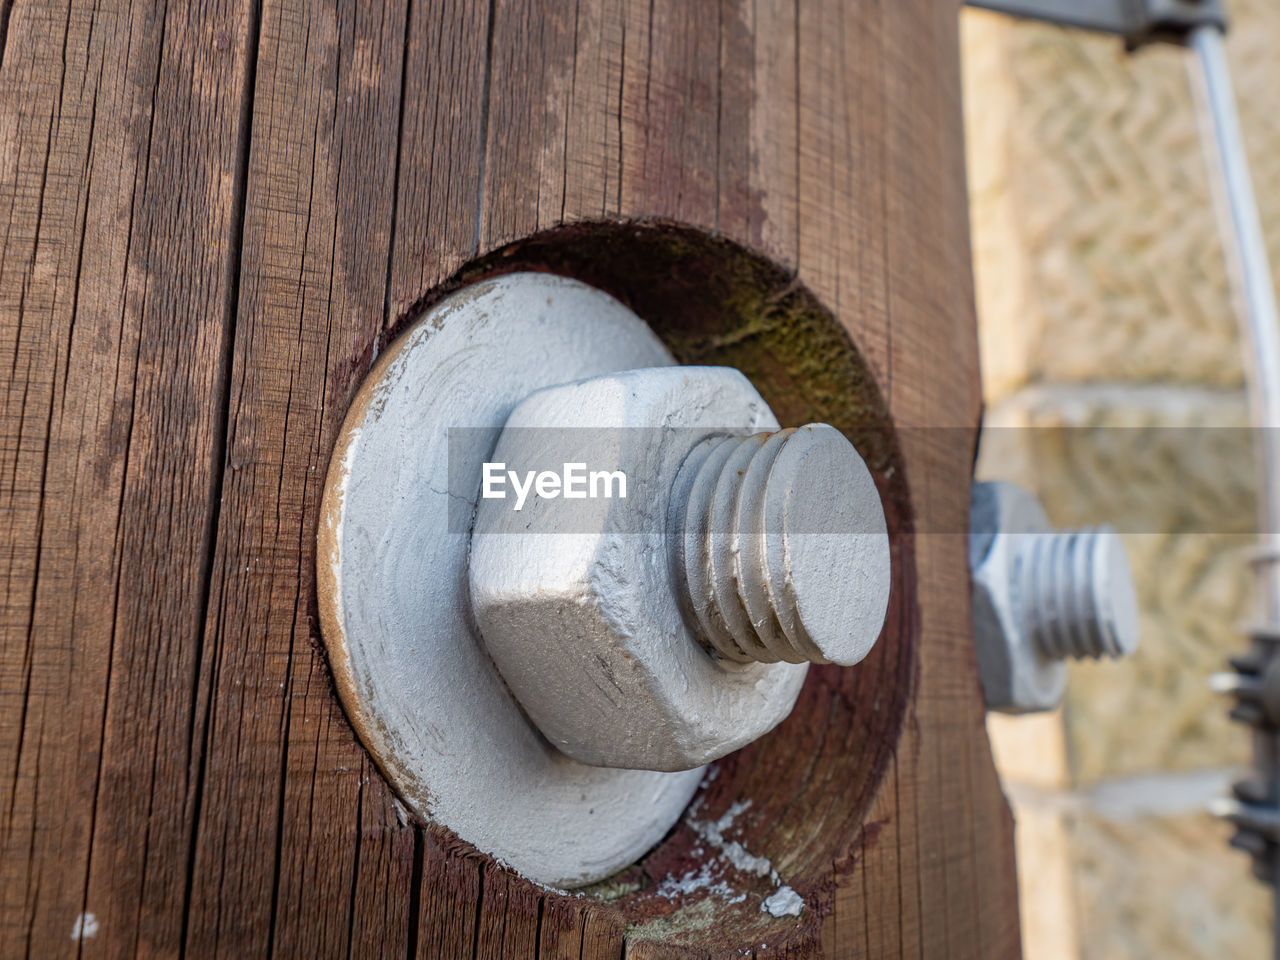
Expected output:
(215, 216)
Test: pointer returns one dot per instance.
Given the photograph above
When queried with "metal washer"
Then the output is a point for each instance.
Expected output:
(409, 665)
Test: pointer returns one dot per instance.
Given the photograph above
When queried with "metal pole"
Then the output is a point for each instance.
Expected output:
(1246, 251)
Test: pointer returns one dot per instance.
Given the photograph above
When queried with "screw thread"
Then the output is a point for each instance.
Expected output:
(1078, 594)
(723, 573)
(782, 548)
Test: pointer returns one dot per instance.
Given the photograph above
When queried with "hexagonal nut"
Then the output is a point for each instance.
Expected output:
(575, 598)
(1016, 676)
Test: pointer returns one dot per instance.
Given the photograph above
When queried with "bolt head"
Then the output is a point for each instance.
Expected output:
(575, 599)
(1016, 675)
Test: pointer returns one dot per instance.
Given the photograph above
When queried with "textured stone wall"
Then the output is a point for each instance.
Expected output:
(1104, 307)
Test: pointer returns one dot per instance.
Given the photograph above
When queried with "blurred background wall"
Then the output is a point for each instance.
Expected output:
(1103, 303)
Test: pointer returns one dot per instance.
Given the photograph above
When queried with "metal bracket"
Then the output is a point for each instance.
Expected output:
(1138, 22)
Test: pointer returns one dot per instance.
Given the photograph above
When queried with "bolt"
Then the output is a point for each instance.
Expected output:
(665, 629)
(1042, 596)
(1080, 599)
(782, 552)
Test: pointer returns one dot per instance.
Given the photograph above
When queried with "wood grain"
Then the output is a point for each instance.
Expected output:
(216, 214)
(123, 130)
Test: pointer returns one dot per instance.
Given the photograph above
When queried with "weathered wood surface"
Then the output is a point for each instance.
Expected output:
(214, 213)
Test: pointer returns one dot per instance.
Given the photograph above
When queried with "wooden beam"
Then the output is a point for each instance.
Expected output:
(217, 216)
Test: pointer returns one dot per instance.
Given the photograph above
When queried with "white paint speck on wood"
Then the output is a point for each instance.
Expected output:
(784, 903)
(85, 927)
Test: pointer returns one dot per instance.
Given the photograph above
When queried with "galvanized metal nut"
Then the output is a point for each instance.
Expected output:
(596, 627)
(1041, 597)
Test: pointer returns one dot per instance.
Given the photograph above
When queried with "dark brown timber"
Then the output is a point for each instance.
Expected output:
(213, 215)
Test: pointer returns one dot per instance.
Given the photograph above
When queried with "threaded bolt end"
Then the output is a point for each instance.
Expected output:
(1078, 594)
(782, 549)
